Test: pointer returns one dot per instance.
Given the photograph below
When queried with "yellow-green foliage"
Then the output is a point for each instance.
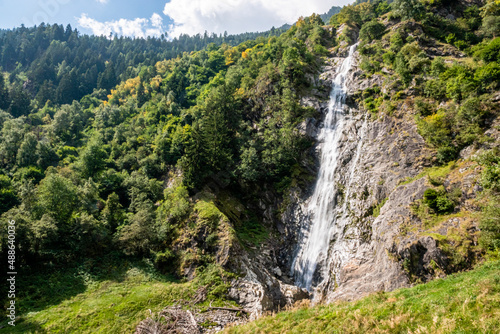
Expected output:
(378, 207)
(461, 303)
(206, 210)
(205, 236)
(434, 173)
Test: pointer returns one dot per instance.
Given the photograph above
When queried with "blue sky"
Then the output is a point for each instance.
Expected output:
(138, 18)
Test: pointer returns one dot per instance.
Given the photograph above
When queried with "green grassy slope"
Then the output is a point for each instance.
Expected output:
(111, 297)
(467, 302)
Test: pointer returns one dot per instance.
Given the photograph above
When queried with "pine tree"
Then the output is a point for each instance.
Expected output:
(20, 104)
(68, 89)
(4, 94)
(107, 79)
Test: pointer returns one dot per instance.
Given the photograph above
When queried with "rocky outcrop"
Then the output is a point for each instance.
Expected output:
(377, 154)
(260, 287)
(377, 243)
(373, 266)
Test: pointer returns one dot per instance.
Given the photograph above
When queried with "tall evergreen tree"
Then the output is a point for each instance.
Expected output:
(68, 89)
(20, 102)
(4, 94)
(107, 79)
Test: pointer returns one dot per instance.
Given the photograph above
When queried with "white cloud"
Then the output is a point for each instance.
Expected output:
(139, 27)
(156, 20)
(237, 16)
(197, 16)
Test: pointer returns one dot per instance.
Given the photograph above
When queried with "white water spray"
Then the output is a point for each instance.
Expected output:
(314, 248)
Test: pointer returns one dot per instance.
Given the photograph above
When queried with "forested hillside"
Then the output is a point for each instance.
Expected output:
(117, 172)
(57, 64)
(150, 162)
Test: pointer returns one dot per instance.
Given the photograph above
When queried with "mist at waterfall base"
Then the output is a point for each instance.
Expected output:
(313, 247)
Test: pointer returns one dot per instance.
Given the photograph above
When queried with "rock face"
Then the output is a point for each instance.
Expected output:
(377, 242)
(377, 154)
(260, 288)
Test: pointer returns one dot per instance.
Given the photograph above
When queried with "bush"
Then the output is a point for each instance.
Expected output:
(446, 154)
(490, 227)
(435, 89)
(438, 201)
(397, 42)
(423, 107)
(461, 83)
(389, 57)
(462, 45)
(372, 30)
(419, 63)
(444, 205)
(438, 66)
(436, 129)
(401, 68)
(408, 9)
(490, 178)
(489, 52)
(491, 26)
(488, 76)
(165, 261)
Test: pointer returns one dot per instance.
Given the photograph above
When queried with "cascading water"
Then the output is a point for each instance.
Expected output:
(320, 208)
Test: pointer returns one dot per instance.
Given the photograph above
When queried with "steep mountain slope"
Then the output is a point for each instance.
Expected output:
(410, 187)
(48, 63)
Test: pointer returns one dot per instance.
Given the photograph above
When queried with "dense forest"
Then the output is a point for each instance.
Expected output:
(57, 64)
(226, 113)
(135, 147)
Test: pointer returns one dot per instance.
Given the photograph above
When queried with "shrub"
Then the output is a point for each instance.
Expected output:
(490, 178)
(488, 76)
(438, 201)
(372, 30)
(423, 107)
(490, 51)
(462, 45)
(461, 85)
(491, 26)
(435, 88)
(446, 154)
(408, 9)
(401, 68)
(419, 62)
(397, 42)
(438, 66)
(490, 227)
(436, 129)
(389, 57)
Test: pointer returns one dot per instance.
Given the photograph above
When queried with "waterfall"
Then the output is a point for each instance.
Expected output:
(313, 249)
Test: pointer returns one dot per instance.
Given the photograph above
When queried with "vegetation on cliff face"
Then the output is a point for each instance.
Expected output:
(167, 159)
(436, 63)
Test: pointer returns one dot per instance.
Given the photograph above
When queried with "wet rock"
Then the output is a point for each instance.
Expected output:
(309, 128)
(375, 157)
